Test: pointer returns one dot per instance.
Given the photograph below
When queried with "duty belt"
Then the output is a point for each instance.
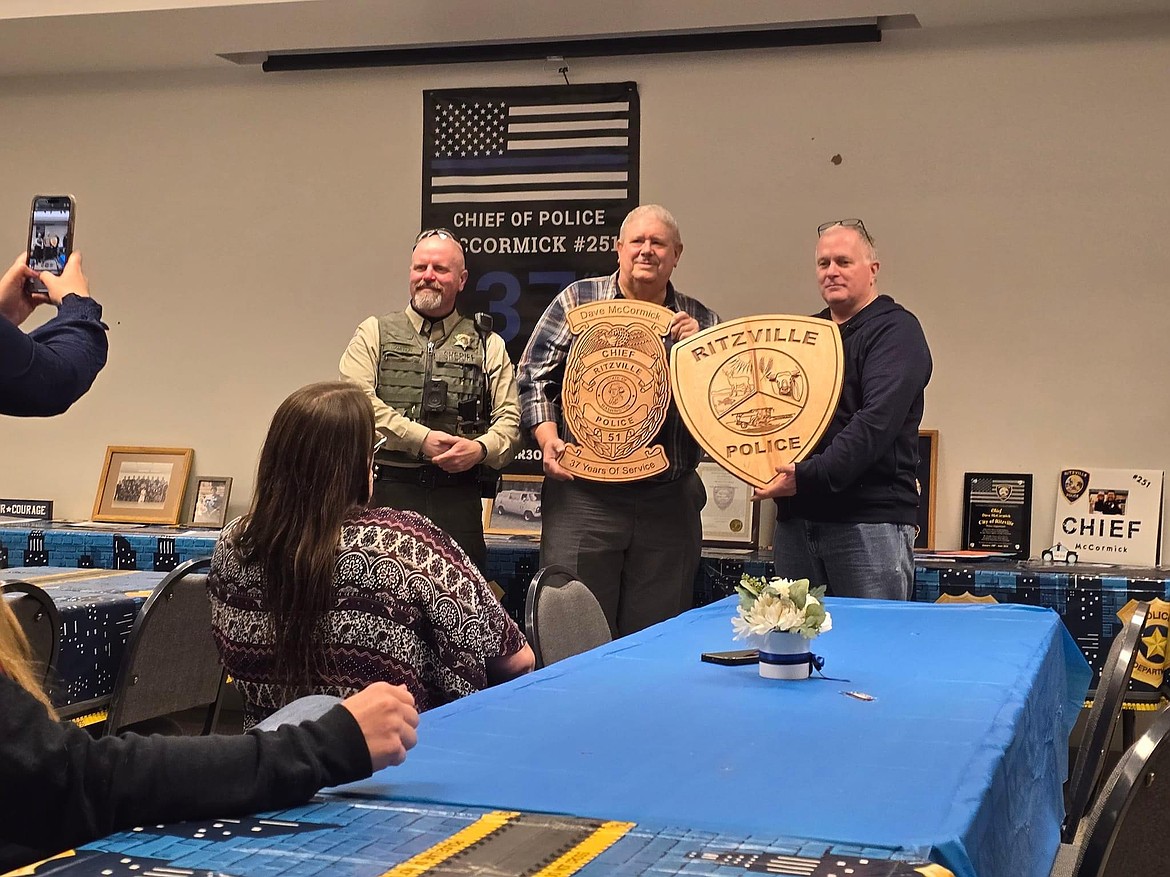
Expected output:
(425, 476)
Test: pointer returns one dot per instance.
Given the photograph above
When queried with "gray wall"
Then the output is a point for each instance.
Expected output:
(1015, 180)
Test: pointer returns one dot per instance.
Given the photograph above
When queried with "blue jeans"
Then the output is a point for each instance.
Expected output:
(303, 709)
(853, 560)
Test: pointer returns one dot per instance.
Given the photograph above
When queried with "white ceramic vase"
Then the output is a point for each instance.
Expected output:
(779, 646)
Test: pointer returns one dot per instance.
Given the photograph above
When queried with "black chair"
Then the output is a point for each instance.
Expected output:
(41, 622)
(1125, 833)
(171, 662)
(562, 618)
(1107, 701)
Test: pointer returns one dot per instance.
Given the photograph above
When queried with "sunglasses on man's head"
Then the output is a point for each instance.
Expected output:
(844, 223)
(443, 234)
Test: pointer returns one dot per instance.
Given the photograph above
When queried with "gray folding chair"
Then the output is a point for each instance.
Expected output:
(1125, 832)
(171, 662)
(562, 618)
(1107, 701)
(41, 622)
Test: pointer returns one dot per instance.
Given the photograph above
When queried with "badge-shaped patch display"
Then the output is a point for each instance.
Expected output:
(616, 390)
(1073, 483)
(759, 392)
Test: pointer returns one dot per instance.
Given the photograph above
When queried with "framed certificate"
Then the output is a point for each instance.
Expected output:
(730, 518)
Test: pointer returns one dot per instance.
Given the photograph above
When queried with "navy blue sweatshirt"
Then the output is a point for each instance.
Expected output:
(47, 370)
(863, 470)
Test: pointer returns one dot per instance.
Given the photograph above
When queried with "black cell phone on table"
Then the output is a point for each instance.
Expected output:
(732, 659)
(50, 235)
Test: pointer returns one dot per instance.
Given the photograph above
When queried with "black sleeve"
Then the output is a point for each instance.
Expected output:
(897, 366)
(62, 787)
(47, 370)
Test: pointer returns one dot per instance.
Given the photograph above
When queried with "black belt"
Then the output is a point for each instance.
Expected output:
(425, 476)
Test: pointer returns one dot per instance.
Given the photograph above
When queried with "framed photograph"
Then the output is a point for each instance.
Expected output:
(515, 511)
(927, 478)
(142, 485)
(730, 518)
(211, 501)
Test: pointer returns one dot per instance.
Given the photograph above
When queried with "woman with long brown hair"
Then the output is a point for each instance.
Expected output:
(314, 593)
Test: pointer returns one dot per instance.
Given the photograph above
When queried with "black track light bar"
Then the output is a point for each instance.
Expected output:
(599, 47)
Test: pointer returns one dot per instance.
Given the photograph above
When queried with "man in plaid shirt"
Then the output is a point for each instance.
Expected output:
(635, 544)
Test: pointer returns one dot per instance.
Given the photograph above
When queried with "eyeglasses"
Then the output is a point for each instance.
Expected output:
(443, 234)
(845, 223)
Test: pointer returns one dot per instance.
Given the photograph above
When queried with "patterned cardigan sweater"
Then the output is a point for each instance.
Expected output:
(409, 608)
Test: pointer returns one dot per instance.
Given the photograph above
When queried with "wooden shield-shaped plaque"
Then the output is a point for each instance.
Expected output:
(759, 392)
(616, 390)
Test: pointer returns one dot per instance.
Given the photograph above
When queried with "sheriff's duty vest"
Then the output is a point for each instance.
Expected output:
(402, 363)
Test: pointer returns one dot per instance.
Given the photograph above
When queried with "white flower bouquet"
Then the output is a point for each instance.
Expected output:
(780, 605)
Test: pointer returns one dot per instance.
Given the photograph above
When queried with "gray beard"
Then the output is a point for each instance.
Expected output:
(427, 300)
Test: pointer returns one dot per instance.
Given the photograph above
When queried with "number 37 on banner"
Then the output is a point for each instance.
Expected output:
(503, 291)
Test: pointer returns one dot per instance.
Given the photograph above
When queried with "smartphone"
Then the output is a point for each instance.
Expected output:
(50, 235)
(732, 659)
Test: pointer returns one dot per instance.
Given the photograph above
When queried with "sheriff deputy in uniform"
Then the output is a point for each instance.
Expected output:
(444, 394)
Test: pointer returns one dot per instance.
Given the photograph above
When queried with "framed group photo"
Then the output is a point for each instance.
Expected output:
(142, 485)
(515, 510)
(211, 501)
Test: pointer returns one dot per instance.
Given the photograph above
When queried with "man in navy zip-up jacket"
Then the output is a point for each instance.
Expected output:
(845, 516)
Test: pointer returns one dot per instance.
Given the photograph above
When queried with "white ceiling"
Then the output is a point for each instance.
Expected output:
(75, 36)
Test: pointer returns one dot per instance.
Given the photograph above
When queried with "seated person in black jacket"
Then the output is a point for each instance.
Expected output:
(62, 788)
(59, 787)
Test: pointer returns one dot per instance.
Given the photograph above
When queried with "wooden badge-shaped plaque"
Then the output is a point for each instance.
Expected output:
(616, 390)
(759, 392)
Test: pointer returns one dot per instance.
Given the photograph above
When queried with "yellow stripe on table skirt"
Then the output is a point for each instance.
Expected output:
(456, 843)
(606, 835)
(25, 870)
(1136, 706)
(87, 719)
(79, 574)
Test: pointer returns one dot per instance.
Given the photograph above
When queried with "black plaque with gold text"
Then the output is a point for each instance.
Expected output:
(997, 512)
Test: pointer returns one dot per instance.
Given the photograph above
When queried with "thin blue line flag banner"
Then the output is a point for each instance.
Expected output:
(535, 181)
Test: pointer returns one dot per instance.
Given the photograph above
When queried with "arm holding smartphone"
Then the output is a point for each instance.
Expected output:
(45, 371)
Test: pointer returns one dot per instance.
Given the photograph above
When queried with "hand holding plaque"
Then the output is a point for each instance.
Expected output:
(759, 392)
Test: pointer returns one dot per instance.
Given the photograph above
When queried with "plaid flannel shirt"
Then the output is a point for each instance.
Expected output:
(542, 367)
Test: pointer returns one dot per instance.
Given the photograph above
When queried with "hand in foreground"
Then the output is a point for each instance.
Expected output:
(388, 720)
(784, 484)
(463, 454)
(683, 325)
(71, 280)
(15, 303)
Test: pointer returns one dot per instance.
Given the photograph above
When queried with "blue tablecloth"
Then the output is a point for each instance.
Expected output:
(98, 608)
(963, 750)
(1086, 596)
(511, 561)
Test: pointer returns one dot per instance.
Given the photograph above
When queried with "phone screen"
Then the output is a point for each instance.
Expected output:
(50, 235)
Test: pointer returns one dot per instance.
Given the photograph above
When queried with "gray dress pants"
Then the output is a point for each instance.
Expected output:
(635, 545)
